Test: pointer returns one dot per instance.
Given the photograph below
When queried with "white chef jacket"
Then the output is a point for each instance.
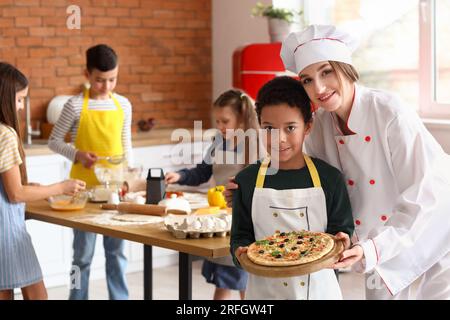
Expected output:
(398, 180)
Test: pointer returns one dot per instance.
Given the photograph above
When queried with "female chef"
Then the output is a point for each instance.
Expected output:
(397, 174)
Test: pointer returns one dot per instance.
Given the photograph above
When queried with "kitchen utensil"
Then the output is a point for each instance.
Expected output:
(291, 271)
(145, 209)
(69, 203)
(118, 159)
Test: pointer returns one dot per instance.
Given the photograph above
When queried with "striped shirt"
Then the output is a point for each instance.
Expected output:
(9, 149)
(69, 121)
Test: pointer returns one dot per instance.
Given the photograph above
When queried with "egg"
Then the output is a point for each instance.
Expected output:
(207, 223)
(221, 224)
(196, 225)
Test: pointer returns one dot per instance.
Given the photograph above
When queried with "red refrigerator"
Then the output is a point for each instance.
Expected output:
(255, 64)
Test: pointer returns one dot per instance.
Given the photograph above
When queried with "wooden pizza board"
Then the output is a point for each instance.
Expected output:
(292, 271)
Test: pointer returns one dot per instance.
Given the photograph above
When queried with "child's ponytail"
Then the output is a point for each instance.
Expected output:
(248, 112)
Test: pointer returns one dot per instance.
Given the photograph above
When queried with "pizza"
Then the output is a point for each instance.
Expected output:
(290, 248)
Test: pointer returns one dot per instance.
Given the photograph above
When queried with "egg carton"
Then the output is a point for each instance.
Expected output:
(199, 226)
(196, 234)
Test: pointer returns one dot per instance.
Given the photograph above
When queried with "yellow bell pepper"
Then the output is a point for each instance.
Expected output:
(216, 197)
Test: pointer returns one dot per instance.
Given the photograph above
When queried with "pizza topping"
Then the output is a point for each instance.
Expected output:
(281, 245)
(299, 242)
(261, 251)
(294, 248)
(286, 240)
(276, 253)
(282, 234)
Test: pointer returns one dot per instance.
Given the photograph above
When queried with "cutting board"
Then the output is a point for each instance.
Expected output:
(292, 271)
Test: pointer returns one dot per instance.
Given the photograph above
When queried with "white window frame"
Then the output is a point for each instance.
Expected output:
(429, 107)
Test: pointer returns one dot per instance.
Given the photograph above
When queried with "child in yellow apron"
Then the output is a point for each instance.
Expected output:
(103, 121)
(301, 194)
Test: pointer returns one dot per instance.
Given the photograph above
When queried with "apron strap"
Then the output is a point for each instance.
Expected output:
(309, 163)
(85, 100)
(313, 171)
(262, 173)
(116, 102)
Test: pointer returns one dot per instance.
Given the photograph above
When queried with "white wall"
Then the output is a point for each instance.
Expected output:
(232, 27)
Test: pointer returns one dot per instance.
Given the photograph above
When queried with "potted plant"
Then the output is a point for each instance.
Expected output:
(281, 20)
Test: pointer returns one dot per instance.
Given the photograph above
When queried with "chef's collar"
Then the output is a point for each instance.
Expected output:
(354, 122)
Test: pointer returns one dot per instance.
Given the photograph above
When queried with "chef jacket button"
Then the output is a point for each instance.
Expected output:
(367, 138)
(341, 141)
(275, 214)
(302, 214)
(384, 217)
(357, 222)
(372, 181)
(285, 284)
(302, 283)
(351, 182)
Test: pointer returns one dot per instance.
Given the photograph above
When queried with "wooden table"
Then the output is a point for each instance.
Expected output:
(147, 234)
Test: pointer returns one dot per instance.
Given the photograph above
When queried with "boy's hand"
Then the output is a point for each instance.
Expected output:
(342, 236)
(240, 251)
(172, 177)
(87, 159)
(349, 257)
(228, 193)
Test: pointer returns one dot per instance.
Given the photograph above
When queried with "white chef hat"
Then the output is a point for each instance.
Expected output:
(315, 44)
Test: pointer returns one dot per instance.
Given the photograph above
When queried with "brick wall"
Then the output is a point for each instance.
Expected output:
(164, 47)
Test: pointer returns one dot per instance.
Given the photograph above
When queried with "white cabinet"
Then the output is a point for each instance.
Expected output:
(53, 244)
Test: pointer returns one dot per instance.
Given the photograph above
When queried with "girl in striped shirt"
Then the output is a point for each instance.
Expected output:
(19, 267)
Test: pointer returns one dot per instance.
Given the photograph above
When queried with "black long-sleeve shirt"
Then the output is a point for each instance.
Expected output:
(337, 201)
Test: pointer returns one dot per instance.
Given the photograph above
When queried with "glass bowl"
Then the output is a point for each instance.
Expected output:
(69, 203)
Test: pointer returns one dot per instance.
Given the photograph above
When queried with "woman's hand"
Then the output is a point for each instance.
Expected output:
(72, 186)
(172, 177)
(349, 257)
(229, 189)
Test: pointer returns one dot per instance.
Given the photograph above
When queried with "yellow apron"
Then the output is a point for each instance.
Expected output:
(99, 132)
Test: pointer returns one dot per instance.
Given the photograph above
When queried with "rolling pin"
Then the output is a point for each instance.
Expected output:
(145, 209)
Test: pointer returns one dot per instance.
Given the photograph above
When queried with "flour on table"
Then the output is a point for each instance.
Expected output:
(116, 219)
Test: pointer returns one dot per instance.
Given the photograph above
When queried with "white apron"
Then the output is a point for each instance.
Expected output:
(288, 210)
(221, 174)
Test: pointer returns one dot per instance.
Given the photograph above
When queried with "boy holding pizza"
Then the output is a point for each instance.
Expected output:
(303, 194)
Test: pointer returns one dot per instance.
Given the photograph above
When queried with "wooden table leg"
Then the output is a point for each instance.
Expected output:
(185, 276)
(148, 273)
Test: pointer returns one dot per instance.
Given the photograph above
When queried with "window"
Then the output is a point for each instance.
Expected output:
(435, 60)
(403, 45)
(388, 53)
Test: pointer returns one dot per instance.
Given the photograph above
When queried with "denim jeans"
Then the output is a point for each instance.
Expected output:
(83, 251)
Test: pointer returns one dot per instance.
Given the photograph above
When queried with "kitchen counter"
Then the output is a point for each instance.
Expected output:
(147, 234)
(141, 139)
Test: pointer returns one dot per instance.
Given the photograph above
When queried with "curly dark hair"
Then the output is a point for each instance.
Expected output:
(284, 90)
